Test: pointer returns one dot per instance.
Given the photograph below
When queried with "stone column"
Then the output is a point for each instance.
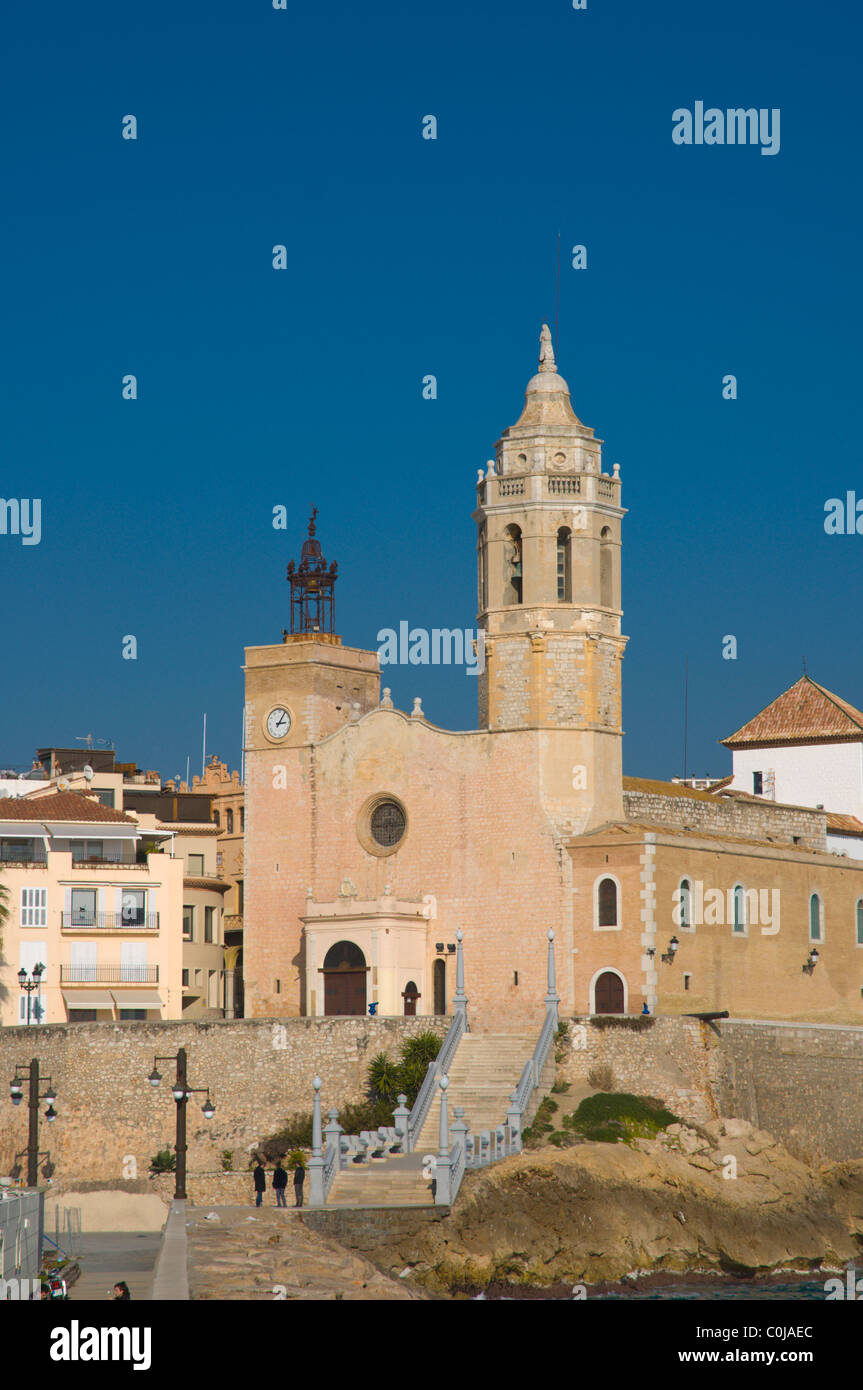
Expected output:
(230, 996)
(316, 1162)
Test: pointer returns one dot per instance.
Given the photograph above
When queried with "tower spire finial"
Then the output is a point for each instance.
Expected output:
(546, 351)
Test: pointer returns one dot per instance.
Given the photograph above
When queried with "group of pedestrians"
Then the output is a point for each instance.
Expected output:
(280, 1182)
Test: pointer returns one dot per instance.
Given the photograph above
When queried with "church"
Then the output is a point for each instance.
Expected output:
(373, 837)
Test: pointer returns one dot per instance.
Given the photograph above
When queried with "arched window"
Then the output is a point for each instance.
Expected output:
(816, 918)
(685, 899)
(217, 818)
(739, 909)
(345, 955)
(606, 903)
(512, 565)
(229, 816)
(606, 569)
(860, 921)
(564, 565)
(481, 567)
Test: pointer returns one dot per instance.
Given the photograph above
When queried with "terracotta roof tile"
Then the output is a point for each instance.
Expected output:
(215, 885)
(60, 806)
(805, 713)
(655, 788)
(840, 824)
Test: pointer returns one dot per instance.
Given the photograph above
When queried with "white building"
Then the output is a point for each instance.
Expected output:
(806, 749)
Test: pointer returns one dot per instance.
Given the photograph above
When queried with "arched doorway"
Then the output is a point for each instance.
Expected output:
(609, 993)
(344, 973)
(440, 986)
(410, 994)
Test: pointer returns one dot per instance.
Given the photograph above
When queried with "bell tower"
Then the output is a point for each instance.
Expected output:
(549, 599)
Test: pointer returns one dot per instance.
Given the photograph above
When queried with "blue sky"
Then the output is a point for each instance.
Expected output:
(407, 257)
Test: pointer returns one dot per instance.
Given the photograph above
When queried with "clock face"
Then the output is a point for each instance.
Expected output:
(278, 722)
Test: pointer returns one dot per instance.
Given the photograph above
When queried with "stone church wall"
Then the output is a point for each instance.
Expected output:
(803, 1083)
(259, 1071)
(727, 816)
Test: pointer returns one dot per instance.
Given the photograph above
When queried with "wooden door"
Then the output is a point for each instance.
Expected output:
(609, 993)
(440, 986)
(344, 991)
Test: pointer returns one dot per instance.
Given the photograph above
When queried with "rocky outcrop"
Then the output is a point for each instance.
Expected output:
(720, 1196)
(262, 1255)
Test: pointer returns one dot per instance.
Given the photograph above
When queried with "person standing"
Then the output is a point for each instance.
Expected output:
(280, 1182)
(260, 1183)
(299, 1179)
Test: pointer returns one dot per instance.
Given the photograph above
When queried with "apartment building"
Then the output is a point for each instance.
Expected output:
(94, 896)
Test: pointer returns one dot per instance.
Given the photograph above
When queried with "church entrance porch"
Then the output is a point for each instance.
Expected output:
(360, 952)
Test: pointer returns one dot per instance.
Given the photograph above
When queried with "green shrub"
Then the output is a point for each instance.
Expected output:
(636, 1023)
(228, 1160)
(388, 1079)
(609, 1117)
(540, 1124)
(560, 1088)
(163, 1162)
(295, 1134)
(384, 1078)
(367, 1114)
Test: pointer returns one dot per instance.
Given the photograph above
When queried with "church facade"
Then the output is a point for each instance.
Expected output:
(372, 837)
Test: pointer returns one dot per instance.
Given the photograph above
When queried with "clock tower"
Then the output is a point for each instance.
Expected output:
(309, 685)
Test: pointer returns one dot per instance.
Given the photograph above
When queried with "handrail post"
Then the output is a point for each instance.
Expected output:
(459, 1129)
(333, 1132)
(443, 1164)
(513, 1120)
(459, 999)
(401, 1115)
(317, 1196)
(552, 998)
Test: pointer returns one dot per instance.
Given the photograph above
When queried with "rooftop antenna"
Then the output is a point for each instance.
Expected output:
(685, 715)
(204, 750)
(804, 665)
(187, 771)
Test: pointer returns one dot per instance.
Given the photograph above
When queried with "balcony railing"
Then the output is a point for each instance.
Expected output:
(109, 974)
(102, 862)
(78, 920)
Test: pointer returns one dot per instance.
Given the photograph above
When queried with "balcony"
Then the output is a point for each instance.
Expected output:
(29, 857)
(109, 974)
(109, 921)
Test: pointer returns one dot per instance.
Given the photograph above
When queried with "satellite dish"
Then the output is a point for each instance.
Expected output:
(88, 772)
(63, 784)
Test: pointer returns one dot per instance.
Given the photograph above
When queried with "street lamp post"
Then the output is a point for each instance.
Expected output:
(16, 1096)
(182, 1092)
(31, 983)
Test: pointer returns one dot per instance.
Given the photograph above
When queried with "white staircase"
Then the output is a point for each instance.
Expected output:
(482, 1076)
